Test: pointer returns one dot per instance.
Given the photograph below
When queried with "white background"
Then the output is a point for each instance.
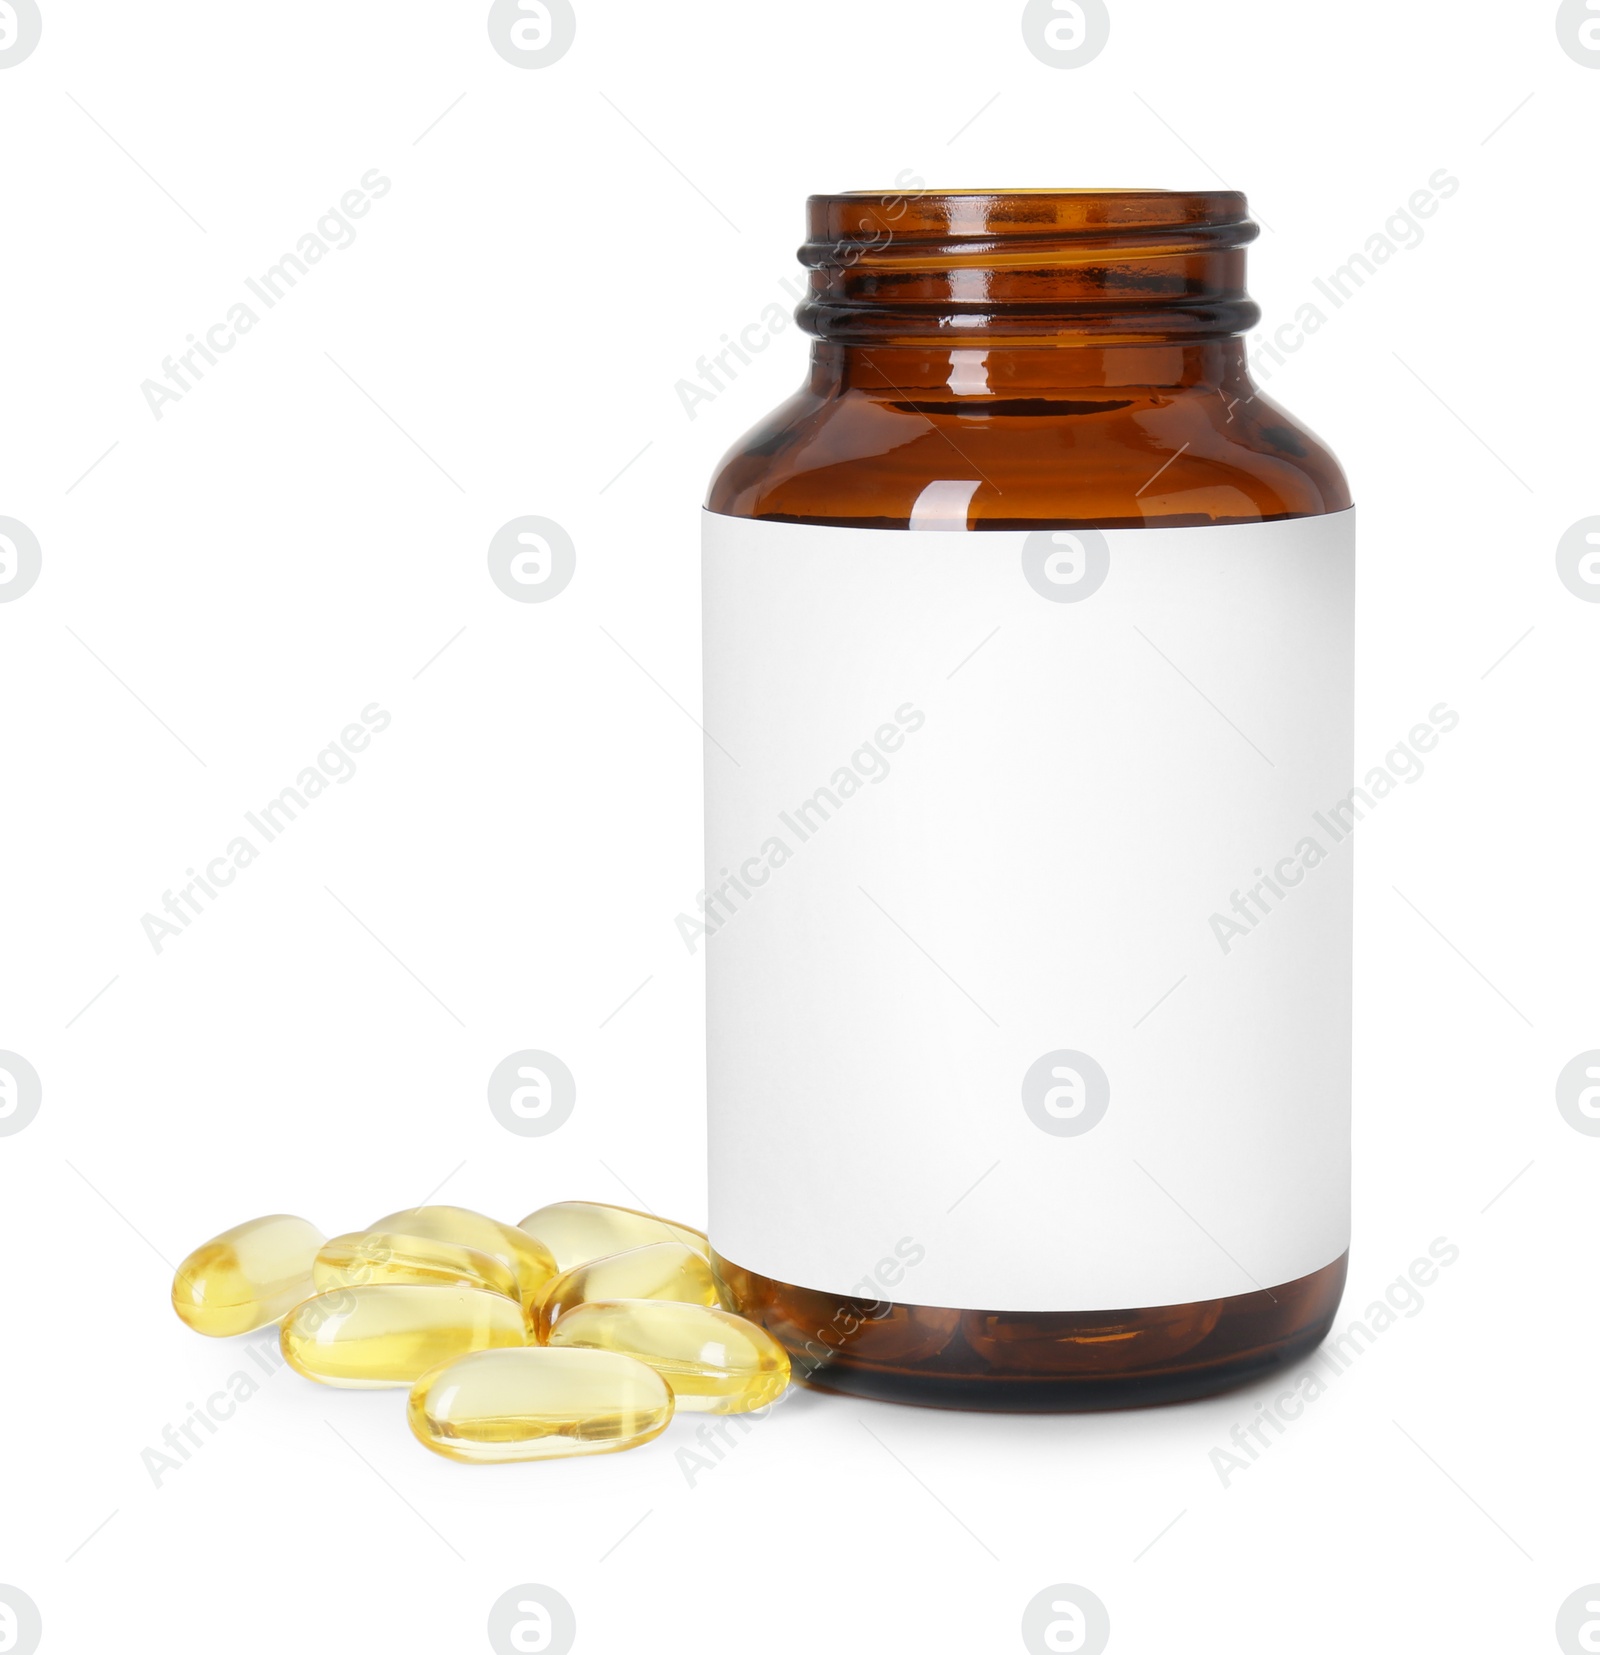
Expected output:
(225, 588)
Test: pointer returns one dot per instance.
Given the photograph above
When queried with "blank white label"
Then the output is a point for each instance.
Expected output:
(1028, 909)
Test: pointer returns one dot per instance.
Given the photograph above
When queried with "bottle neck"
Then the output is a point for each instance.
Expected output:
(1028, 270)
(1011, 374)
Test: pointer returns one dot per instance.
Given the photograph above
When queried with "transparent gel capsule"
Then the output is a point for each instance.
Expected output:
(247, 1276)
(386, 1258)
(365, 1337)
(538, 1405)
(715, 1362)
(577, 1231)
(663, 1270)
(529, 1260)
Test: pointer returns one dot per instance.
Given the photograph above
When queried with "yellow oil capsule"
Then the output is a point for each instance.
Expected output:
(386, 1258)
(529, 1260)
(247, 1276)
(365, 1337)
(663, 1270)
(715, 1362)
(577, 1231)
(538, 1405)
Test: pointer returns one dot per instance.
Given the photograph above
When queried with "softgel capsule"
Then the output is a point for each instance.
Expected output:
(384, 1257)
(663, 1270)
(538, 1405)
(529, 1259)
(715, 1362)
(366, 1337)
(579, 1231)
(579, 1335)
(247, 1276)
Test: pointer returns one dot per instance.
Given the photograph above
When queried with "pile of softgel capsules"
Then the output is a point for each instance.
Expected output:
(579, 1331)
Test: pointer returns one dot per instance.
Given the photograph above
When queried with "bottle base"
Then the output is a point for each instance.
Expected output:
(1037, 1362)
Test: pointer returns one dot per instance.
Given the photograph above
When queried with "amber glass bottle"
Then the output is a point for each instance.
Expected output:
(1017, 363)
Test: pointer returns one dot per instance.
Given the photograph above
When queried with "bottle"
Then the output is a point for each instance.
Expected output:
(1029, 706)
